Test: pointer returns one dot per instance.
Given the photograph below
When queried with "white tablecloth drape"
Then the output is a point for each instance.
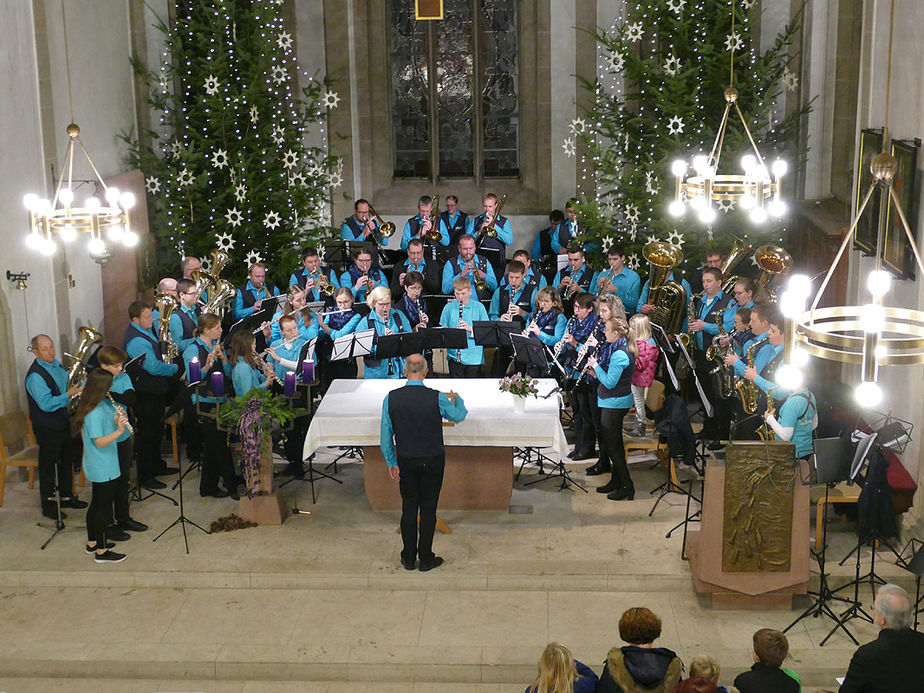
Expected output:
(351, 414)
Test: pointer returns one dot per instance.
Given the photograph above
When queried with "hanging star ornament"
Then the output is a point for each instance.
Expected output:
(330, 99)
(298, 178)
(152, 185)
(634, 32)
(219, 158)
(615, 61)
(175, 149)
(234, 217)
(675, 126)
(253, 115)
(578, 125)
(240, 193)
(675, 238)
(746, 4)
(651, 183)
(608, 242)
(211, 85)
(568, 146)
(271, 220)
(284, 40)
(733, 41)
(633, 261)
(790, 79)
(278, 135)
(253, 258)
(676, 5)
(279, 74)
(225, 241)
(651, 239)
(672, 66)
(336, 180)
(710, 233)
(290, 159)
(726, 205)
(206, 264)
(185, 178)
(631, 213)
(633, 232)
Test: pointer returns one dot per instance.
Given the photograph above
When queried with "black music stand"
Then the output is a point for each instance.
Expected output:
(254, 321)
(530, 351)
(399, 345)
(440, 254)
(494, 333)
(436, 303)
(178, 405)
(339, 254)
(916, 567)
(444, 337)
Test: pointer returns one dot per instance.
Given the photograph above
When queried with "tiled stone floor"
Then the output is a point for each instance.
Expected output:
(322, 604)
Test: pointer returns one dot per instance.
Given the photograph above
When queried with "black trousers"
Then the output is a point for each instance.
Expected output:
(337, 370)
(120, 497)
(421, 481)
(190, 431)
(586, 415)
(56, 450)
(149, 411)
(611, 437)
(715, 427)
(457, 369)
(100, 510)
(216, 459)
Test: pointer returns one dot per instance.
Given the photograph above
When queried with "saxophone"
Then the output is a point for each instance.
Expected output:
(716, 352)
(766, 432)
(689, 337)
(747, 390)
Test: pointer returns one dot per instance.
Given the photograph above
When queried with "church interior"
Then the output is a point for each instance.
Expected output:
(402, 109)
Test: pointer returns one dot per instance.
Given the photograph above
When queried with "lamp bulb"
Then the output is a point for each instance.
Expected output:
(68, 233)
(130, 239)
(868, 394)
(707, 214)
(748, 162)
(872, 317)
(799, 357)
(776, 207)
(789, 377)
(96, 246)
(679, 168)
(701, 164)
(48, 247)
(801, 284)
(66, 195)
(33, 241)
(127, 200)
(791, 304)
(676, 208)
(779, 168)
(112, 196)
(758, 215)
(115, 232)
(879, 282)
(748, 202)
(30, 200)
(92, 204)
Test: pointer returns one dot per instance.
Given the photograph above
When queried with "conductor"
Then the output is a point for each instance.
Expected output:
(412, 445)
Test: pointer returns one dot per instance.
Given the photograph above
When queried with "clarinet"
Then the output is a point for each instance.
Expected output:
(585, 352)
(560, 344)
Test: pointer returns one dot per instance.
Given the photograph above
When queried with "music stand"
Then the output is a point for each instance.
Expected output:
(529, 350)
(179, 403)
(440, 254)
(436, 303)
(916, 567)
(831, 468)
(664, 343)
(699, 388)
(339, 254)
(399, 345)
(494, 333)
(307, 348)
(444, 337)
(133, 367)
(350, 346)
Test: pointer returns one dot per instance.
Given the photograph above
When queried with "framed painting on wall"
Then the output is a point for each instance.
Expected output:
(896, 251)
(864, 238)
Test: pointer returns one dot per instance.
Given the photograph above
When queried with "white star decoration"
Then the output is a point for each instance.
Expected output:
(290, 159)
(176, 149)
(632, 261)
(790, 79)
(253, 257)
(330, 99)
(651, 239)
(336, 180)
(284, 40)
(634, 32)
(225, 241)
(615, 61)
(725, 205)
(219, 158)
(279, 74)
(234, 217)
(577, 125)
(185, 178)
(631, 213)
(315, 170)
(633, 232)
(608, 242)
(676, 5)
(675, 126)
(206, 264)
(675, 238)
(568, 146)
(651, 183)
(672, 66)
(253, 115)
(733, 41)
(152, 185)
(271, 220)
(746, 4)
(278, 134)
(240, 193)
(211, 85)
(297, 178)
(710, 232)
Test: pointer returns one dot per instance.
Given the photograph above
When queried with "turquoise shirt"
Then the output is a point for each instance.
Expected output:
(452, 411)
(764, 383)
(306, 332)
(289, 352)
(710, 327)
(761, 360)
(41, 393)
(561, 323)
(239, 310)
(628, 286)
(406, 236)
(139, 345)
(121, 383)
(473, 354)
(245, 377)
(176, 328)
(397, 322)
(728, 318)
(192, 352)
(101, 464)
(494, 311)
(798, 413)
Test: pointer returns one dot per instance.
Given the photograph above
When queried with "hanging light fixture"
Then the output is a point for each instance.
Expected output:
(757, 189)
(872, 334)
(60, 217)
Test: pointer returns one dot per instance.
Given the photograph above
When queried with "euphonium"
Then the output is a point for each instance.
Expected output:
(434, 233)
(219, 296)
(219, 260)
(746, 389)
(202, 280)
(668, 297)
(773, 260)
(87, 337)
(739, 251)
(491, 230)
(167, 305)
(386, 228)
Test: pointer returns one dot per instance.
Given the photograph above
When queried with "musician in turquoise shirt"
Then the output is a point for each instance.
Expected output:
(248, 372)
(618, 279)
(464, 363)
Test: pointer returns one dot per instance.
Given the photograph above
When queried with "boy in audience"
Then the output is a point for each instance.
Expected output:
(766, 676)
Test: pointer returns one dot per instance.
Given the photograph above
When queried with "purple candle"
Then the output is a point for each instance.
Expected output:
(290, 383)
(307, 371)
(195, 371)
(218, 383)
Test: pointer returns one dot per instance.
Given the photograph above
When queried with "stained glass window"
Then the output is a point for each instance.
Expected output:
(474, 78)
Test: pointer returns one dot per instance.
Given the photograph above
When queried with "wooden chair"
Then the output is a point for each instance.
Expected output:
(841, 493)
(16, 431)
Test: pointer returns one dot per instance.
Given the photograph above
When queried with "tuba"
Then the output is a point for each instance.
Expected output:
(167, 305)
(220, 259)
(87, 338)
(386, 229)
(669, 298)
(739, 251)
(772, 260)
(220, 293)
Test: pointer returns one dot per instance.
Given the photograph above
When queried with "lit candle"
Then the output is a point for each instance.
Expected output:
(290, 383)
(218, 383)
(195, 372)
(307, 371)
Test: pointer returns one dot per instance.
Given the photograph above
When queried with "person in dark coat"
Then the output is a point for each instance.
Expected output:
(766, 675)
(639, 667)
(560, 672)
(894, 661)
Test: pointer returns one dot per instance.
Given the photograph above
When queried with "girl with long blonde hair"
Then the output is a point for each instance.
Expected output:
(560, 672)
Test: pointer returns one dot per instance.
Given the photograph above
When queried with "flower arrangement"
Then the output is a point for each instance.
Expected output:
(517, 384)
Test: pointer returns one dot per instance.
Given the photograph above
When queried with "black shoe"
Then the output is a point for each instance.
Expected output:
(430, 565)
(131, 525)
(217, 493)
(715, 445)
(234, 495)
(167, 471)
(598, 468)
(116, 534)
(581, 454)
(608, 487)
(109, 557)
(92, 549)
(53, 514)
(410, 565)
(73, 502)
(153, 484)
(622, 494)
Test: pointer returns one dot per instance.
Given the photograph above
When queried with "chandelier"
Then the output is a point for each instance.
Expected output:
(754, 190)
(872, 334)
(60, 217)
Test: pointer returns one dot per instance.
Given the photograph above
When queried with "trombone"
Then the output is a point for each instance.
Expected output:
(434, 234)
(386, 229)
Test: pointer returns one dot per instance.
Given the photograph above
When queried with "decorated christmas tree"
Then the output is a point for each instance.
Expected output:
(231, 163)
(657, 97)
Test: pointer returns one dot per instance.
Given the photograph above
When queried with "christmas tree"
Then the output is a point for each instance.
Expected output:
(230, 164)
(658, 96)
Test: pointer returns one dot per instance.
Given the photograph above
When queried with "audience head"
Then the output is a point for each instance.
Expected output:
(705, 667)
(770, 647)
(556, 670)
(695, 684)
(639, 626)
(641, 326)
(893, 608)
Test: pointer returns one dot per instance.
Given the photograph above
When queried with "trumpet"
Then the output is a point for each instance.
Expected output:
(434, 234)
(386, 229)
(479, 282)
(321, 282)
(369, 282)
(605, 279)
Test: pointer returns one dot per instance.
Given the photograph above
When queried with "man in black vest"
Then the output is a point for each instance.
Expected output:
(412, 445)
(453, 221)
(48, 395)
